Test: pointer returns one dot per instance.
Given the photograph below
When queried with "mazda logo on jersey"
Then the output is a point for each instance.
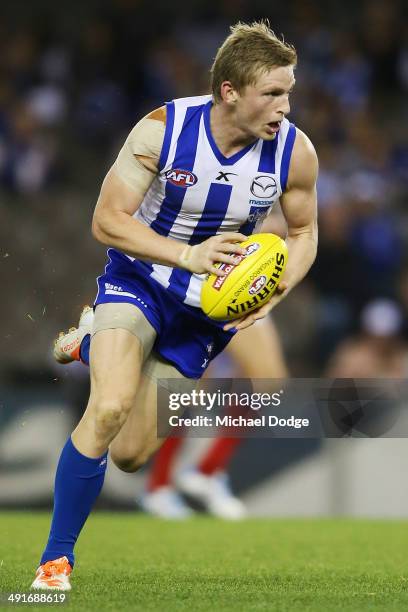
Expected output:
(264, 186)
(181, 178)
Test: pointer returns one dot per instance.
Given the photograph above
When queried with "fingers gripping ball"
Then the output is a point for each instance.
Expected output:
(249, 284)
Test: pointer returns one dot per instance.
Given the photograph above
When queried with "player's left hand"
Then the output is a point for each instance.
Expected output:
(261, 312)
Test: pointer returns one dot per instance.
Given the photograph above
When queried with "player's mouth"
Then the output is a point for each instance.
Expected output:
(273, 126)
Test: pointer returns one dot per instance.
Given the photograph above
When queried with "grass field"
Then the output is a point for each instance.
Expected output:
(132, 562)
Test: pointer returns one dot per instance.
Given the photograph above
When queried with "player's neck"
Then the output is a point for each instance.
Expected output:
(228, 137)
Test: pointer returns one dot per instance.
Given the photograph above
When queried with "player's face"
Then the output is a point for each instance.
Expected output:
(260, 108)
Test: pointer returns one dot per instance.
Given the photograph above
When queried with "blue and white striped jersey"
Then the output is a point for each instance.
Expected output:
(199, 193)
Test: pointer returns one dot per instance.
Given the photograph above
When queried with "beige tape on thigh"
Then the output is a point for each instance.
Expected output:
(167, 375)
(122, 315)
(158, 368)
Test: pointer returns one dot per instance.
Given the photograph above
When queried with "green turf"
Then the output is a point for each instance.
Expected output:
(131, 562)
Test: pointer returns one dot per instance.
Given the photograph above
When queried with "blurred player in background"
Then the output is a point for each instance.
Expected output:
(178, 199)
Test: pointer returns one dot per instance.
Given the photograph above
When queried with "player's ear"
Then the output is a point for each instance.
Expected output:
(228, 93)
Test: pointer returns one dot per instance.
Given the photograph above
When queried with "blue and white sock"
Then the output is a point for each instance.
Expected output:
(78, 482)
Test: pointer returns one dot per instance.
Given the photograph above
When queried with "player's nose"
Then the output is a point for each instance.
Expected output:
(284, 106)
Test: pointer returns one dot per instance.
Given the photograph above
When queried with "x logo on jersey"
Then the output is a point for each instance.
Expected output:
(223, 176)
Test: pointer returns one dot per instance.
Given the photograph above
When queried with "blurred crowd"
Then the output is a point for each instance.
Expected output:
(74, 78)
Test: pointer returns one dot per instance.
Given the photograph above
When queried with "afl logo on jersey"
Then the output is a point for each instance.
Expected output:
(264, 186)
(181, 178)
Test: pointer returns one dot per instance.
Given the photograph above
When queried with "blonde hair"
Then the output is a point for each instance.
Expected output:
(248, 51)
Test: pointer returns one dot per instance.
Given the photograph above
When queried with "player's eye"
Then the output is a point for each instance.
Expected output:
(277, 93)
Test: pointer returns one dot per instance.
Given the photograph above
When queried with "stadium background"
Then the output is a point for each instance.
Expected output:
(73, 79)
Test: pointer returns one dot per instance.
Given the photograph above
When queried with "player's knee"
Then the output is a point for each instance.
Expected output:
(110, 416)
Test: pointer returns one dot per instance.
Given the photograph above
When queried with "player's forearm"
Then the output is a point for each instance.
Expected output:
(302, 249)
(121, 231)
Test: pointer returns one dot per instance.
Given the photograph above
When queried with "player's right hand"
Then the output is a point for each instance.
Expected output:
(201, 258)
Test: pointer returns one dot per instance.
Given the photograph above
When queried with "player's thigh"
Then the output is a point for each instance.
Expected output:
(138, 439)
(257, 351)
(122, 337)
(115, 364)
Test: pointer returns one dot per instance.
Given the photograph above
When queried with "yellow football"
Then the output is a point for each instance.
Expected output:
(249, 284)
